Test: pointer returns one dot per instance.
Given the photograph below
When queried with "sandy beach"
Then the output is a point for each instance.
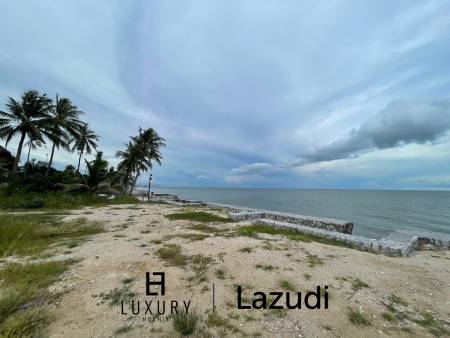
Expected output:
(397, 296)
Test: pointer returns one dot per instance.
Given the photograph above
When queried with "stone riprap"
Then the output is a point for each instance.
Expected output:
(399, 243)
(240, 214)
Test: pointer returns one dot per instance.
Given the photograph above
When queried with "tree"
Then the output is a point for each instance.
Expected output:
(139, 154)
(62, 125)
(24, 118)
(97, 171)
(33, 144)
(84, 142)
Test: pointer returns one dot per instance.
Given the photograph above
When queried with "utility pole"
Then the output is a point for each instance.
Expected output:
(149, 184)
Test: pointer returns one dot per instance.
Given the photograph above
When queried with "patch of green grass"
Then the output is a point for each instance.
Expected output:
(117, 295)
(57, 200)
(394, 299)
(200, 265)
(357, 317)
(172, 255)
(358, 284)
(220, 274)
(435, 326)
(265, 267)
(215, 320)
(254, 230)
(196, 216)
(123, 329)
(314, 260)
(23, 284)
(387, 316)
(204, 228)
(184, 322)
(286, 285)
(29, 323)
(191, 237)
(246, 249)
(30, 234)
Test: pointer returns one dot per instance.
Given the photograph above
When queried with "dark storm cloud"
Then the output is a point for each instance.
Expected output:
(400, 123)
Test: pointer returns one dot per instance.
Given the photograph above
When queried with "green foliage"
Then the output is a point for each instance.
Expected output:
(185, 322)
(33, 233)
(253, 230)
(23, 283)
(57, 200)
(357, 317)
(171, 254)
(286, 285)
(29, 323)
(97, 171)
(358, 284)
(199, 216)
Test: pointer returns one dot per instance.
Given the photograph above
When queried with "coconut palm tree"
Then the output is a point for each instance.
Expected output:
(139, 154)
(62, 125)
(33, 144)
(129, 163)
(84, 142)
(24, 117)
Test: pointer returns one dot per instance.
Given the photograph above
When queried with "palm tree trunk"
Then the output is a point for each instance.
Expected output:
(19, 152)
(134, 183)
(28, 159)
(79, 160)
(51, 158)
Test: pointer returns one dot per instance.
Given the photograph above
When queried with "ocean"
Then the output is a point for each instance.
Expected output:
(375, 213)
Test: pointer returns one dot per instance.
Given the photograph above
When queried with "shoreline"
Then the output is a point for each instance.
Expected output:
(398, 243)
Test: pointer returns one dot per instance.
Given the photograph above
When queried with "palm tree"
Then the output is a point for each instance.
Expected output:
(25, 118)
(84, 142)
(130, 161)
(33, 144)
(139, 154)
(62, 125)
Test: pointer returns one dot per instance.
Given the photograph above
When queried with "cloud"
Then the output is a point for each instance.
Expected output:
(253, 168)
(400, 123)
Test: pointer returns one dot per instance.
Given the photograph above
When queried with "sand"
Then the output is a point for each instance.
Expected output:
(128, 249)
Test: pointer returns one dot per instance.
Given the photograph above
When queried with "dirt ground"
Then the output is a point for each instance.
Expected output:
(397, 297)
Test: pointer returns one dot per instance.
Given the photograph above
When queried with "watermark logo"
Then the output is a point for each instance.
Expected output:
(156, 306)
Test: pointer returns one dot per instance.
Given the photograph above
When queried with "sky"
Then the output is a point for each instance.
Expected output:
(276, 94)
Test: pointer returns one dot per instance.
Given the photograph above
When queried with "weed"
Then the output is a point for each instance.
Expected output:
(434, 326)
(29, 323)
(199, 216)
(32, 234)
(220, 274)
(192, 237)
(254, 230)
(118, 295)
(307, 276)
(172, 255)
(357, 317)
(215, 320)
(185, 322)
(358, 284)
(123, 329)
(314, 260)
(387, 316)
(204, 228)
(265, 267)
(286, 285)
